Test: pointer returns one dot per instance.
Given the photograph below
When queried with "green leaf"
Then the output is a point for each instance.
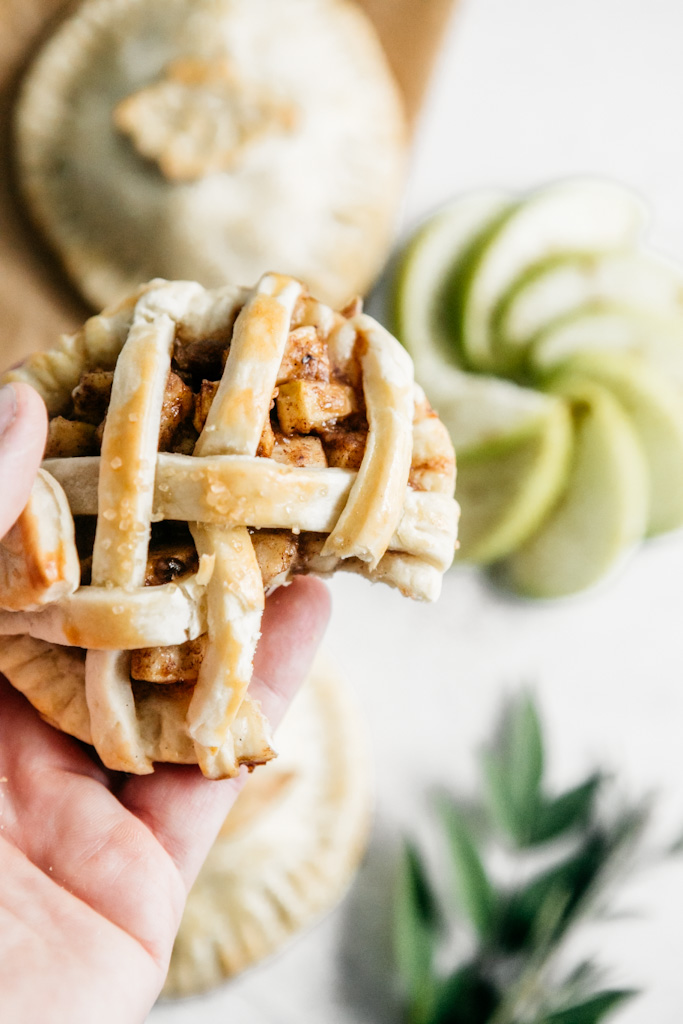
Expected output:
(592, 1010)
(499, 797)
(466, 997)
(425, 897)
(586, 975)
(552, 896)
(515, 770)
(416, 924)
(475, 892)
(574, 879)
(525, 754)
(566, 812)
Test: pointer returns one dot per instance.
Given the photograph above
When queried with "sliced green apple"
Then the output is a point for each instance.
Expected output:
(580, 215)
(602, 510)
(558, 286)
(512, 447)
(506, 487)
(418, 314)
(612, 329)
(480, 410)
(655, 409)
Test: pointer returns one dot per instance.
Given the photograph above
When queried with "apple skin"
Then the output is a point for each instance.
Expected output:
(580, 215)
(567, 284)
(603, 510)
(417, 311)
(611, 330)
(506, 487)
(655, 409)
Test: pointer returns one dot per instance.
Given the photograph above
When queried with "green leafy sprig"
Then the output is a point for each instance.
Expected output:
(515, 929)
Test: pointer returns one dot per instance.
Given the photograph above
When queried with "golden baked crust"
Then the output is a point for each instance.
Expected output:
(254, 520)
(177, 138)
(290, 845)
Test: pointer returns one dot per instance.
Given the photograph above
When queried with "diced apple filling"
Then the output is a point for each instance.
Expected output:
(345, 448)
(275, 552)
(70, 438)
(305, 357)
(304, 406)
(91, 396)
(168, 664)
(202, 403)
(167, 561)
(298, 451)
(177, 408)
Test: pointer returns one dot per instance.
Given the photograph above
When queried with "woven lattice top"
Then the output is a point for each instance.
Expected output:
(370, 520)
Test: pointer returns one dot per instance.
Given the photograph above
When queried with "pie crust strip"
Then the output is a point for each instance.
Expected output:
(38, 557)
(235, 596)
(230, 489)
(239, 409)
(125, 497)
(100, 618)
(371, 514)
(176, 612)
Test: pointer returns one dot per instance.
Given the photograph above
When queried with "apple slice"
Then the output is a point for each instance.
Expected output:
(559, 286)
(580, 215)
(480, 410)
(507, 486)
(611, 329)
(655, 409)
(417, 310)
(512, 448)
(603, 509)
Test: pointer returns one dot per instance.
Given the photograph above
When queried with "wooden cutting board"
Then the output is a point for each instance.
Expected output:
(37, 303)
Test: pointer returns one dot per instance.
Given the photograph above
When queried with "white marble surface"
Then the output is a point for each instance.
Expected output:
(527, 90)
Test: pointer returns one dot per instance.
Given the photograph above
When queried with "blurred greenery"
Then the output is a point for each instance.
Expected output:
(563, 850)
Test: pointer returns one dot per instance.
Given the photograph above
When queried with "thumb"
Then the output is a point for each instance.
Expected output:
(23, 426)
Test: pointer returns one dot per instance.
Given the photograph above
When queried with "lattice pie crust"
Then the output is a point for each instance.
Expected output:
(313, 451)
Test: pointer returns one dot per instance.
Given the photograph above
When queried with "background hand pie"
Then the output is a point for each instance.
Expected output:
(212, 140)
(204, 446)
(290, 845)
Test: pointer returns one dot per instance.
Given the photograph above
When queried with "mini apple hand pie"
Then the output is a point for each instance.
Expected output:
(205, 446)
(212, 140)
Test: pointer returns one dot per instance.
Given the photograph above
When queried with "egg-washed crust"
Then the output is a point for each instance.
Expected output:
(46, 529)
(288, 849)
(126, 184)
(394, 519)
(52, 677)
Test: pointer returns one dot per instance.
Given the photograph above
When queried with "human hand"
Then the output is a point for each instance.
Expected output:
(23, 427)
(95, 866)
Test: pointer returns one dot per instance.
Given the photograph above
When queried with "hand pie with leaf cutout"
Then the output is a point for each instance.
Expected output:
(213, 140)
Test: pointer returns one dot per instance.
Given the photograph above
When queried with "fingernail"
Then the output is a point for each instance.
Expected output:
(8, 407)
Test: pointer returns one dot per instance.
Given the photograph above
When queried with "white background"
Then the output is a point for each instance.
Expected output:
(527, 91)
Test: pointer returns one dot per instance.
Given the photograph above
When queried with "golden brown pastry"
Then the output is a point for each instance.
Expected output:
(213, 140)
(204, 447)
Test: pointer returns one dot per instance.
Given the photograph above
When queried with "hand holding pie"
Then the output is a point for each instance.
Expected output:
(205, 447)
